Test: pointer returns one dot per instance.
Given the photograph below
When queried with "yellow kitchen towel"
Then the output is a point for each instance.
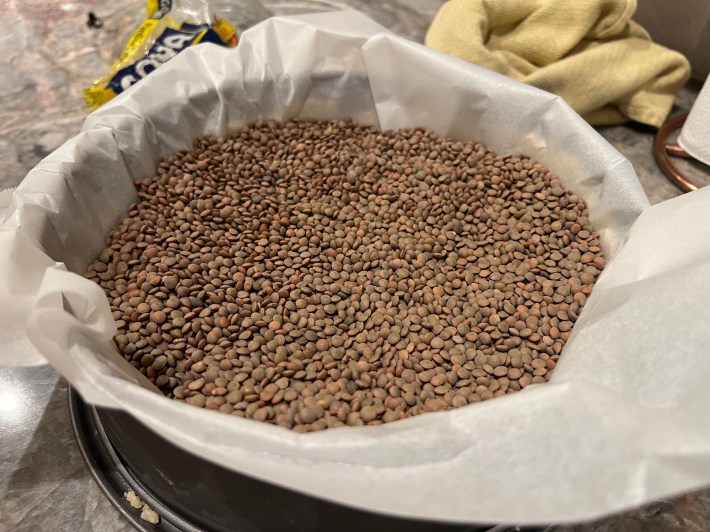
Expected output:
(589, 52)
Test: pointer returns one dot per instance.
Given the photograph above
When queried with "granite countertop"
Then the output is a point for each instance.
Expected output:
(49, 56)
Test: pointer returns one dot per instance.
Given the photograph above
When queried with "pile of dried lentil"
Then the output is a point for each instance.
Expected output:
(319, 274)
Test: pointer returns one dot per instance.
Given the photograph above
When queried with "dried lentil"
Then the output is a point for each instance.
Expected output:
(321, 274)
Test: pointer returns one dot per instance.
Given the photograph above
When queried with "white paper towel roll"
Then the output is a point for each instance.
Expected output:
(694, 138)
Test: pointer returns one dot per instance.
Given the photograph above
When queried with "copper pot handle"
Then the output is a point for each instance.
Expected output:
(662, 152)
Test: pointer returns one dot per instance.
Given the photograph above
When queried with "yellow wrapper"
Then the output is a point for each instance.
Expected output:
(169, 28)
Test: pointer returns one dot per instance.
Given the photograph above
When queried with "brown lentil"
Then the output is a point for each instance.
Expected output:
(322, 274)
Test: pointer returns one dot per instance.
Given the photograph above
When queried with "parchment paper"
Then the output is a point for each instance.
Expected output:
(624, 419)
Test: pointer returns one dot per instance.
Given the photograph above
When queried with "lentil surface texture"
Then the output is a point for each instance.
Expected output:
(316, 274)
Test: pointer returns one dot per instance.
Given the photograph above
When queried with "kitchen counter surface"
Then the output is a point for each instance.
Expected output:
(49, 56)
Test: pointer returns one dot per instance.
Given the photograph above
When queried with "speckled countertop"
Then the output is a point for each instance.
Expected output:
(47, 57)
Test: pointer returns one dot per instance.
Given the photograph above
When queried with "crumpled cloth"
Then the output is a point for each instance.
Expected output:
(590, 53)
